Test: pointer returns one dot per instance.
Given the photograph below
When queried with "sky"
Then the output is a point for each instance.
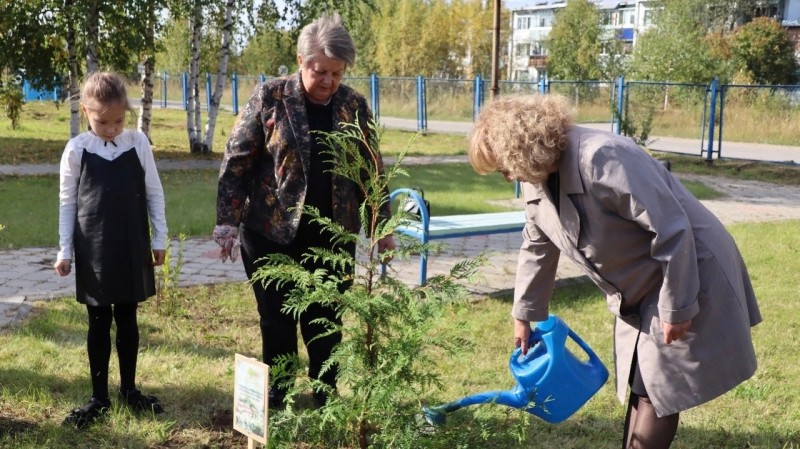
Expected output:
(511, 4)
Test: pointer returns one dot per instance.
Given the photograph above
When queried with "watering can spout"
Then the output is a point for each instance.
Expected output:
(551, 382)
(438, 414)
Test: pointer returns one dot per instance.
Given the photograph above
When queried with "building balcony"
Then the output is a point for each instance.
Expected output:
(537, 61)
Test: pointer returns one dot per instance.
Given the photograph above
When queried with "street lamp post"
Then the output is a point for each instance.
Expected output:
(495, 89)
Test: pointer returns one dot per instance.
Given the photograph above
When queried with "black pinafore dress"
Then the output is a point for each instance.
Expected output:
(113, 259)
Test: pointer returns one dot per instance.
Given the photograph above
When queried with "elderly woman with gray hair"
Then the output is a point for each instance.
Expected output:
(274, 164)
(670, 272)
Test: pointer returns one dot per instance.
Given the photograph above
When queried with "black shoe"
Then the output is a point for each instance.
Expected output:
(89, 413)
(276, 399)
(141, 403)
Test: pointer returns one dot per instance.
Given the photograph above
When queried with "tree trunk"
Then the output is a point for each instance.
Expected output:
(92, 36)
(222, 74)
(146, 105)
(72, 61)
(148, 67)
(193, 106)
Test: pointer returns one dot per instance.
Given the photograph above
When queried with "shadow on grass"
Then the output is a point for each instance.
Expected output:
(509, 428)
(66, 324)
(188, 411)
(21, 150)
(570, 291)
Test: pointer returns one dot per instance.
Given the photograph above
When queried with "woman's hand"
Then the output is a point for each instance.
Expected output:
(386, 244)
(522, 333)
(158, 257)
(63, 266)
(227, 237)
(675, 331)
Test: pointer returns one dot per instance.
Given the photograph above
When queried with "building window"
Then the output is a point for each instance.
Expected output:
(648, 17)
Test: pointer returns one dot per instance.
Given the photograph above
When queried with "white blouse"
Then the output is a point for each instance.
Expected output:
(71, 172)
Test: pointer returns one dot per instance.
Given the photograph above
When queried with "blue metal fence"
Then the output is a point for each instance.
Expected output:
(764, 116)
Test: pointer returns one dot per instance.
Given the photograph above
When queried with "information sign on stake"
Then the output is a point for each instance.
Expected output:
(251, 378)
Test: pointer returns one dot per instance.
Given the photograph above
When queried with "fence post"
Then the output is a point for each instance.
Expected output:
(477, 97)
(422, 119)
(184, 88)
(375, 96)
(711, 118)
(208, 91)
(164, 89)
(235, 93)
(542, 85)
(620, 104)
(722, 89)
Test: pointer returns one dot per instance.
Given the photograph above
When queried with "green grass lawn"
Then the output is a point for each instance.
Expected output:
(186, 359)
(452, 189)
(44, 130)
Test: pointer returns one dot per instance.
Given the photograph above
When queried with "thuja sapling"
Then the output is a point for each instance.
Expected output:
(387, 358)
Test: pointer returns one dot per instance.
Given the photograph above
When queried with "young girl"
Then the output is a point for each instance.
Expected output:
(109, 188)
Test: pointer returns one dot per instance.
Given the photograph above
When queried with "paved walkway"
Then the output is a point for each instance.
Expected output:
(26, 275)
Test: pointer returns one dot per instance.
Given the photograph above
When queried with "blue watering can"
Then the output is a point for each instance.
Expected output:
(551, 382)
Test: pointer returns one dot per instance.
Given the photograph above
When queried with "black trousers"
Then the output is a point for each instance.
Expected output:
(279, 330)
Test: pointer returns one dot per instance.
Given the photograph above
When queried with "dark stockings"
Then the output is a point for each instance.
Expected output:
(644, 429)
(98, 343)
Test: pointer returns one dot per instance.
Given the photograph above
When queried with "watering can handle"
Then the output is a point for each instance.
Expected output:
(534, 337)
(583, 345)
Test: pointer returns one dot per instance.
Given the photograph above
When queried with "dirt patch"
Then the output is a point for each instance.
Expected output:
(12, 425)
(221, 434)
(222, 419)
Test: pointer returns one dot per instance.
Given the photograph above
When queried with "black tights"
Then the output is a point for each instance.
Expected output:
(644, 429)
(98, 345)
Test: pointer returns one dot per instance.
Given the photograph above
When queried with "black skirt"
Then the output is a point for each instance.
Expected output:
(113, 259)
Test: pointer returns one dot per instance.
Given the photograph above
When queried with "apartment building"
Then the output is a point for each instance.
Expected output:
(623, 21)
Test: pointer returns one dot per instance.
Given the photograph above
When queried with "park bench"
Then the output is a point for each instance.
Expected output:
(451, 226)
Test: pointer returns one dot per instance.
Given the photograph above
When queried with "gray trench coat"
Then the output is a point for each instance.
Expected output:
(656, 253)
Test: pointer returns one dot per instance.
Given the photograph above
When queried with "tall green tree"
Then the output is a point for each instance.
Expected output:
(474, 35)
(397, 28)
(674, 48)
(764, 49)
(436, 36)
(29, 44)
(267, 51)
(574, 42)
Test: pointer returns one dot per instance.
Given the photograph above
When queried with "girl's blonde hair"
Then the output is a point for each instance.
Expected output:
(522, 136)
(102, 90)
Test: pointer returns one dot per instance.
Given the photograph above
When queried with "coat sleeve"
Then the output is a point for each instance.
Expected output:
(244, 145)
(536, 274)
(636, 187)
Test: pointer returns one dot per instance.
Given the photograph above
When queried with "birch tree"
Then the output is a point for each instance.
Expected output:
(193, 94)
(222, 75)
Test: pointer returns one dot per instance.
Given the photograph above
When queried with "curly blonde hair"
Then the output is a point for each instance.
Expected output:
(521, 136)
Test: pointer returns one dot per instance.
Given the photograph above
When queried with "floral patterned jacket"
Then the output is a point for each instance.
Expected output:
(262, 181)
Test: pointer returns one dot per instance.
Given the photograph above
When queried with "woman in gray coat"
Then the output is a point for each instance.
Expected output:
(671, 273)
